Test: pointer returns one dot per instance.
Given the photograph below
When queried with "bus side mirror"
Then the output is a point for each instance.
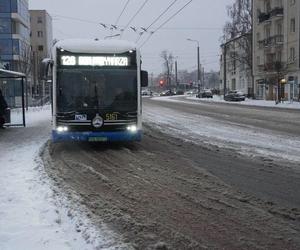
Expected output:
(144, 78)
(46, 65)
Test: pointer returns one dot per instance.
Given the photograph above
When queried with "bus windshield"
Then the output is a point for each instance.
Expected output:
(101, 89)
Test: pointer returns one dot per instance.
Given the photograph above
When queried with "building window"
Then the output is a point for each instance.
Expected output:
(5, 26)
(40, 48)
(5, 6)
(267, 6)
(6, 46)
(267, 31)
(278, 56)
(39, 19)
(293, 25)
(16, 47)
(258, 60)
(292, 54)
(40, 34)
(279, 29)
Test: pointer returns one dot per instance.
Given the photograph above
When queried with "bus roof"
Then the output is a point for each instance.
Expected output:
(95, 46)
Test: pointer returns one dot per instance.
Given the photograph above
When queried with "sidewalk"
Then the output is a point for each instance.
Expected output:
(29, 216)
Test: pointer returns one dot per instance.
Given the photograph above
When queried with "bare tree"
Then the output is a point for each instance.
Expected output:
(240, 26)
(24, 65)
(26, 59)
(240, 23)
(168, 62)
(237, 33)
(242, 48)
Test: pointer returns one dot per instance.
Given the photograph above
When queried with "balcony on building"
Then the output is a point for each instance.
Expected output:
(263, 17)
(274, 67)
(276, 12)
(278, 39)
(272, 41)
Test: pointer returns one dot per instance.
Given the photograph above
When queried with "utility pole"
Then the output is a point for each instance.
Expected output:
(198, 63)
(176, 74)
(225, 68)
(199, 70)
(203, 77)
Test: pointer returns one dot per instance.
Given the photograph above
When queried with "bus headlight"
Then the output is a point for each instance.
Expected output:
(61, 129)
(132, 128)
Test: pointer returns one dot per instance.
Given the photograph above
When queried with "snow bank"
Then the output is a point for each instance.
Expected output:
(249, 102)
(219, 99)
(31, 215)
(244, 139)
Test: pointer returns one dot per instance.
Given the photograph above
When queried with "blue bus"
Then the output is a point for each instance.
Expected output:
(96, 91)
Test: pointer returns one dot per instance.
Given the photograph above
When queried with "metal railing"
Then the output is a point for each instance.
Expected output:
(271, 41)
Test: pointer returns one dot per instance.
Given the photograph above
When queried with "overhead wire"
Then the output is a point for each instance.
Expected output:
(157, 19)
(122, 26)
(122, 12)
(164, 23)
(134, 16)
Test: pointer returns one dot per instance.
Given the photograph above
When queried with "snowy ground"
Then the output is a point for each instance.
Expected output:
(245, 139)
(249, 102)
(32, 215)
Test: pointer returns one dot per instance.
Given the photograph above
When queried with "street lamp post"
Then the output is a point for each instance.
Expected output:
(176, 72)
(198, 62)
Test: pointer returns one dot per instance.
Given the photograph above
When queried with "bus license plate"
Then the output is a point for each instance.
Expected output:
(80, 117)
(97, 139)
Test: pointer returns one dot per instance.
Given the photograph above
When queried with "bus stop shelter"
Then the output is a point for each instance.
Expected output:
(12, 75)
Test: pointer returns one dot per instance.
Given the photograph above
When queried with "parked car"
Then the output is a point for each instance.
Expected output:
(191, 92)
(179, 92)
(205, 94)
(146, 93)
(167, 93)
(235, 96)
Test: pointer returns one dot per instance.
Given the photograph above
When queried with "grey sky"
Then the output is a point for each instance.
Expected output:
(201, 20)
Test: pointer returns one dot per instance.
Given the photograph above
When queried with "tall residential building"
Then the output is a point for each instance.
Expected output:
(236, 59)
(14, 35)
(276, 48)
(15, 48)
(41, 42)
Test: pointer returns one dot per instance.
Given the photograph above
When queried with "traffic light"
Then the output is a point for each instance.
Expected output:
(161, 82)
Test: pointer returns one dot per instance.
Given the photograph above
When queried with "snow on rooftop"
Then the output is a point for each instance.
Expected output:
(95, 46)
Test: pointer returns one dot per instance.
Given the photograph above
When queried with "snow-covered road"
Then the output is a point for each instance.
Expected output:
(32, 215)
(245, 139)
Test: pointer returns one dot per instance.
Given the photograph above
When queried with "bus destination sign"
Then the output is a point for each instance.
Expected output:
(117, 61)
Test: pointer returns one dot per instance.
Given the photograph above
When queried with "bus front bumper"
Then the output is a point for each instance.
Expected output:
(124, 136)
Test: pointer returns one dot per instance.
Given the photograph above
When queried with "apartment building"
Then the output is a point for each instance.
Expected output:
(237, 55)
(276, 49)
(41, 39)
(14, 47)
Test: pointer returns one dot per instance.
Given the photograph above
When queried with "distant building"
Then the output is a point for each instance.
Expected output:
(41, 43)
(236, 53)
(276, 33)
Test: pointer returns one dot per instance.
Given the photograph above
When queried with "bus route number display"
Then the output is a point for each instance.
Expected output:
(120, 61)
